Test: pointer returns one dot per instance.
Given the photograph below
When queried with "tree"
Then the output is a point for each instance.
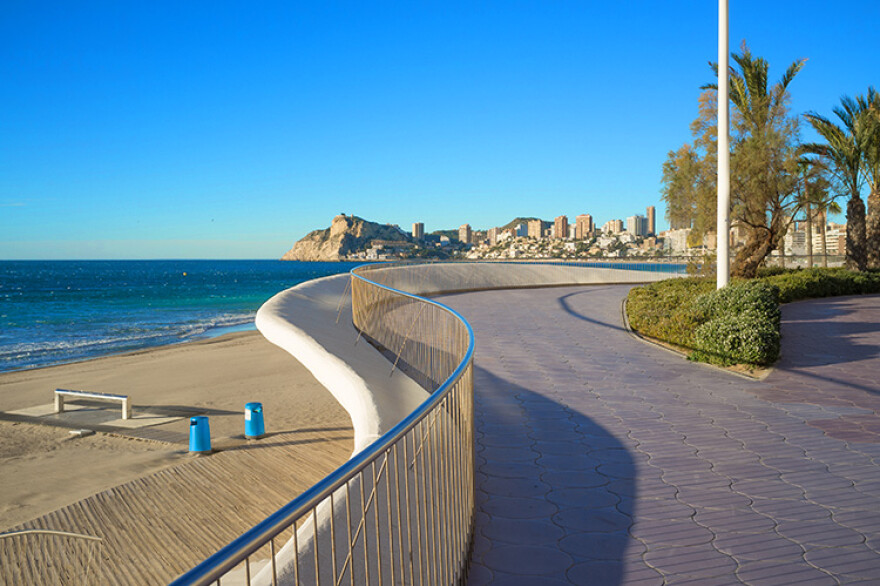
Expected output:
(844, 150)
(869, 126)
(763, 158)
(813, 192)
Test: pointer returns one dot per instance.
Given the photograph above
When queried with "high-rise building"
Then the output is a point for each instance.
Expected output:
(465, 235)
(520, 231)
(637, 225)
(652, 221)
(613, 227)
(560, 227)
(583, 226)
(493, 236)
(536, 229)
(418, 232)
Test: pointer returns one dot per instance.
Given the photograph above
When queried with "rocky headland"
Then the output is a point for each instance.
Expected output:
(346, 234)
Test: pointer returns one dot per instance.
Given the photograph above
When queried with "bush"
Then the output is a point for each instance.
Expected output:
(747, 337)
(814, 283)
(664, 310)
(740, 323)
(739, 297)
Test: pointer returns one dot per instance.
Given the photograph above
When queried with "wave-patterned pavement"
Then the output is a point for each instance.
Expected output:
(604, 460)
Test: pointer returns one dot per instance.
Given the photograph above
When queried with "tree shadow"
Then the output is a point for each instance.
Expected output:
(566, 306)
(555, 490)
(813, 340)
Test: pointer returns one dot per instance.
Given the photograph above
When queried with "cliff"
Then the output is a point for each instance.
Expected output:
(346, 234)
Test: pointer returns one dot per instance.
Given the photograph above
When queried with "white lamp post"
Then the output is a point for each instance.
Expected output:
(723, 246)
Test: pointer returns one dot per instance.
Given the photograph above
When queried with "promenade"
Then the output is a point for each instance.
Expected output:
(605, 460)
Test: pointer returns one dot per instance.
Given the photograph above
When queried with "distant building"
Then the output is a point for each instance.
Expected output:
(560, 227)
(795, 243)
(583, 226)
(613, 227)
(652, 221)
(520, 230)
(493, 236)
(465, 235)
(418, 231)
(835, 240)
(572, 232)
(637, 225)
(536, 229)
(675, 241)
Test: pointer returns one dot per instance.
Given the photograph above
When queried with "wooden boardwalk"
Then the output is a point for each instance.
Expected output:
(158, 526)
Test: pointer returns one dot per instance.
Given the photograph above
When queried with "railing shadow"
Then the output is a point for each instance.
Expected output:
(548, 476)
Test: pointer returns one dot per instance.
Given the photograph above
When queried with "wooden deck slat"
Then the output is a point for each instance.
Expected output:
(160, 525)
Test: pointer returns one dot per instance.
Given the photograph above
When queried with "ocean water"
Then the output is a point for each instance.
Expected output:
(52, 312)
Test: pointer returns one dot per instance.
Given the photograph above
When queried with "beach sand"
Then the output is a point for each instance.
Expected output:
(44, 468)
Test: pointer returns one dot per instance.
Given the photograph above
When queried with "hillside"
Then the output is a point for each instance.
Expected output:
(346, 234)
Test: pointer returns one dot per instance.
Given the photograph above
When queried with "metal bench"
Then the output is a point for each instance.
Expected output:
(61, 393)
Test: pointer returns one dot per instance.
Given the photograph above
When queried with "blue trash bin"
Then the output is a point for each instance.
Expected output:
(199, 435)
(254, 428)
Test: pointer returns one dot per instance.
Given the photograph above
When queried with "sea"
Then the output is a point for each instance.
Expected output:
(55, 312)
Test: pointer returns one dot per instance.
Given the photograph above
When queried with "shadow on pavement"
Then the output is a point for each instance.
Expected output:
(555, 491)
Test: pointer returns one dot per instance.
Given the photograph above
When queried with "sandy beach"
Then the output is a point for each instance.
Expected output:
(44, 468)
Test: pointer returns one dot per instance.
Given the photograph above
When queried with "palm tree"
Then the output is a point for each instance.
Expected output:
(869, 126)
(844, 150)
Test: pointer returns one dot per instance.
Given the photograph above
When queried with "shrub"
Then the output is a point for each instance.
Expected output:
(740, 323)
(738, 338)
(739, 297)
(664, 310)
(814, 283)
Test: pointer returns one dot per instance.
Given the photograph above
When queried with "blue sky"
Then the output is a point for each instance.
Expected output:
(229, 130)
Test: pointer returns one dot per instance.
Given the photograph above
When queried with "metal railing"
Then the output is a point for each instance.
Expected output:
(400, 511)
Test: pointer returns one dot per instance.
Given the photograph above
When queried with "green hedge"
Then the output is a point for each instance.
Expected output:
(740, 323)
(664, 310)
(812, 283)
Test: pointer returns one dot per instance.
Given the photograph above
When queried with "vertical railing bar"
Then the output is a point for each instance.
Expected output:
(348, 527)
(295, 555)
(390, 525)
(419, 525)
(315, 538)
(364, 521)
(376, 513)
(399, 516)
(412, 576)
(429, 453)
(272, 557)
(247, 570)
(333, 539)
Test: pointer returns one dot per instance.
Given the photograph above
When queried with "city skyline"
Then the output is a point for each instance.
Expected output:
(199, 130)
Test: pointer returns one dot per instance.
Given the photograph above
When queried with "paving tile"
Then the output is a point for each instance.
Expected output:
(771, 573)
(522, 531)
(518, 508)
(693, 562)
(758, 546)
(859, 561)
(666, 533)
(599, 546)
(515, 487)
(607, 520)
(582, 497)
(529, 560)
(824, 533)
(596, 572)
